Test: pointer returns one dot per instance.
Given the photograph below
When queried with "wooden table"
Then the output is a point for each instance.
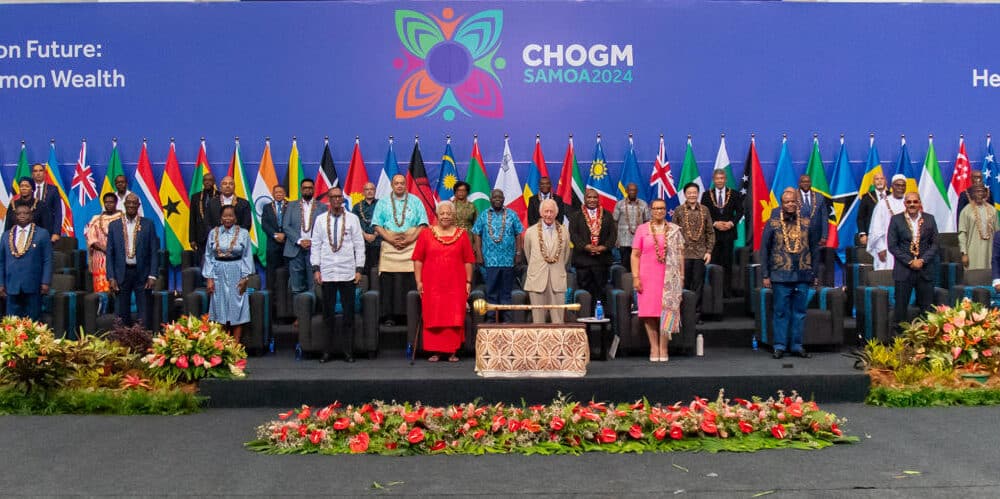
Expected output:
(532, 350)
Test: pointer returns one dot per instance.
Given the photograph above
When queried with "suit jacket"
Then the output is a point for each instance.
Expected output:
(536, 201)
(147, 246)
(731, 211)
(817, 216)
(899, 238)
(27, 273)
(244, 217)
(271, 223)
(865, 211)
(198, 233)
(50, 211)
(579, 235)
(292, 224)
(540, 272)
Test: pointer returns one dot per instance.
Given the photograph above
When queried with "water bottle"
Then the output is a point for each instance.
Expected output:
(298, 351)
(754, 344)
(699, 345)
(409, 350)
(599, 311)
(270, 345)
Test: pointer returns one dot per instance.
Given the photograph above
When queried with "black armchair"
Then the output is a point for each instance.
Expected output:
(313, 337)
(824, 317)
(977, 285)
(631, 332)
(874, 304)
(257, 333)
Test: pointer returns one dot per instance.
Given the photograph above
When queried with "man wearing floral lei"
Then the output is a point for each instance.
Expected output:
(546, 248)
(695, 222)
(398, 220)
(789, 248)
(298, 222)
(890, 206)
(132, 262)
(593, 233)
(498, 247)
(25, 264)
(912, 239)
(976, 226)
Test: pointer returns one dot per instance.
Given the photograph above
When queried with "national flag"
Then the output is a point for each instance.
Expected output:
(661, 180)
(144, 186)
(23, 169)
(266, 179)
(961, 177)
(295, 171)
(53, 177)
(85, 189)
(479, 183)
(448, 175)
(201, 169)
(326, 177)
(630, 169)
(357, 176)
(821, 186)
(757, 196)
(599, 180)
(239, 175)
(689, 173)
(905, 167)
(389, 169)
(418, 184)
(570, 188)
(991, 174)
(722, 163)
(536, 171)
(508, 182)
(176, 208)
(873, 166)
(845, 204)
(784, 177)
(5, 194)
(933, 193)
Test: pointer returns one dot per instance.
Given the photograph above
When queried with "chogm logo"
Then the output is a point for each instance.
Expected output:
(449, 64)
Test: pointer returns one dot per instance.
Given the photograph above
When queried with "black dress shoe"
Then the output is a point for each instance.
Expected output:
(325, 358)
(802, 353)
(778, 354)
(349, 358)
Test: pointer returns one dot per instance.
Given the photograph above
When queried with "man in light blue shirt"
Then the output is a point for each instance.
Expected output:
(498, 244)
(399, 221)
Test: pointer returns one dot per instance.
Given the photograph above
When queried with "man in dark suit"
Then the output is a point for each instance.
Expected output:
(297, 222)
(995, 259)
(813, 206)
(869, 200)
(25, 264)
(270, 221)
(913, 243)
(47, 203)
(227, 196)
(726, 207)
(198, 232)
(132, 263)
(544, 192)
(593, 233)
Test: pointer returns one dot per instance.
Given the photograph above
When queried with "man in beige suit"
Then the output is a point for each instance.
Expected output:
(546, 247)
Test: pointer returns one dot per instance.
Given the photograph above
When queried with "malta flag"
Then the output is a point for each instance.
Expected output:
(145, 188)
(536, 171)
(961, 177)
(661, 180)
(357, 176)
(933, 193)
(419, 185)
(570, 188)
(266, 179)
(176, 208)
(508, 182)
(600, 180)
(479, 183)
(326, 177)
(53, 177)
(85, 190)
(239, 175)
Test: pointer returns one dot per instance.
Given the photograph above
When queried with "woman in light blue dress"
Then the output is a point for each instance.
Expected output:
(228, 265)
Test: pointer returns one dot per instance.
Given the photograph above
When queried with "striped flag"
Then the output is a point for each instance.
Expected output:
(904, 167)
(479, 183)
(784, 177)
(419, 185)
(295, 171)
(570, 188)
(145, 188)
(176, 208)
(448, 175)
(87, 205)
(508, 182)
(933, 193)
(873, 166)
(723, 163)
(23, 169)
(201, 169)
(52, 176)
(357, 176)
(630, 170)
(845, 204)
(239, 175)
(326, 177)
(821, 186)
(262, 186)
(961, 177)
(756, 195)
(389, 169)
(599, 178)
(689, 173)
(661, 180)
(536, 171)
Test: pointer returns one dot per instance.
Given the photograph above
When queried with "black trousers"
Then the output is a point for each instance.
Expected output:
(134, 282)
(694, 278)
(275, 260)
(626, 253)
(393, 288)
(198, 258)
(593, 279)
(925, 297)
(722, 255)
(371, 257)
(345, 335)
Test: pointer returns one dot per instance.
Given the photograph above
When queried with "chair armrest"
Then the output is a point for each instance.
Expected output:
(369, 321)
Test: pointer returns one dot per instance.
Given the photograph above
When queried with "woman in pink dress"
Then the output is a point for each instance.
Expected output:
(658, 278)
(442, 266)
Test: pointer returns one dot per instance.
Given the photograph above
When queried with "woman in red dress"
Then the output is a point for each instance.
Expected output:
(442, 266)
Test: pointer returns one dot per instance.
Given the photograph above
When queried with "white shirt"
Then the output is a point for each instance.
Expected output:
(130, 240)
(548, 228)
(224, 201)
(338, 266)
(592, 213)
(21, 233)
(878, 240)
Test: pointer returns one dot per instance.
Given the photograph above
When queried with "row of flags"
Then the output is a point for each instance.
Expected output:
(168, 205)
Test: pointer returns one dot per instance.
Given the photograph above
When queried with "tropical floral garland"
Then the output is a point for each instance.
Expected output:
(562, 427)
(193, 348)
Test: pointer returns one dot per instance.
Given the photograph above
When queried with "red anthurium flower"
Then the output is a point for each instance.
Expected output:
(637, 405)
(242, 363)
(709, 427)
(438, 446)
(676, 432)
(635, 431)
(835, 430)
(359, 443)
(573, 441)
(472, 422)
(479, 434)
(415, 436)
(182, 362)
(439, 413)
(660, 433)
(214, 361)
(303, 430)
(795, 410)
(390, 445)
(537, 408)
(411, 417)
(317, 436)
(778, 431)
(590, 416)
(285, 415)
(598, 406)
(787, 400)
(305, 413)
(284, 434)
(745, 427)
(498, 422)
(377, 417)
(513, 425)
(743, 402)
(607, 436)
(620, 413)
(709, 415)
(531, 426)
(341, 424)
(198, 360)
(557, 423)
(814, 427)
(324, 413)
(366, 408)
(813, 406)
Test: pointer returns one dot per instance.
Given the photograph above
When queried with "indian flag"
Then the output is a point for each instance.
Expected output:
(933, 192)
(262, 186)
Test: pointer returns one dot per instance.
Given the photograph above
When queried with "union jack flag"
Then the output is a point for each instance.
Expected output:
(661, 181)
(83, 178)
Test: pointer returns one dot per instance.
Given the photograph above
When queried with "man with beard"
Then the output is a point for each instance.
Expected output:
(912, 240)
(890, 206)
(297, 222)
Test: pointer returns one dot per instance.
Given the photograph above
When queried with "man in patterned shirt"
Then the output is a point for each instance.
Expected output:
(629, 214)
(699, 239)
(365, 211)
(499, 243)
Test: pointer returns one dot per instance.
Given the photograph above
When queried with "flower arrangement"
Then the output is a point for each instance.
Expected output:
(193, 348)
(562, 427)
(30, 355)
(966, 335)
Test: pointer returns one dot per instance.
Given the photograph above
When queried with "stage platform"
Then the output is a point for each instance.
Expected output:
(280, 381)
